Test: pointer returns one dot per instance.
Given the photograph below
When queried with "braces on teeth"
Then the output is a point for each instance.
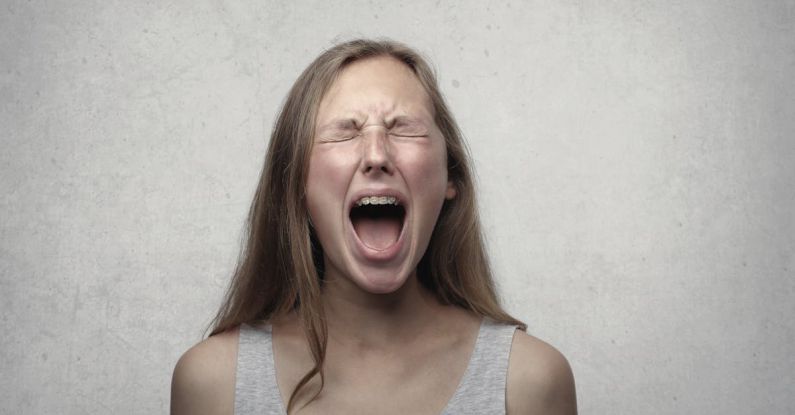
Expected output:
(377, 200)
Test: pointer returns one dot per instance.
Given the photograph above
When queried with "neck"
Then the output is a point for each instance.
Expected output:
(376, 320)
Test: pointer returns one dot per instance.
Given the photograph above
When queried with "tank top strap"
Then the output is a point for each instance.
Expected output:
(482, 389)
(256, 391)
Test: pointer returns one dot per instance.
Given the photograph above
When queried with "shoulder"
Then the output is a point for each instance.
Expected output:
(204, 377)
(540, 379)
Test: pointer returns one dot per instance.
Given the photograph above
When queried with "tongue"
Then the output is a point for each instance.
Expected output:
(377, 233)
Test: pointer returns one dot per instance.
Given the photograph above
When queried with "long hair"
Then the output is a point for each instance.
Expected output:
(280, 269)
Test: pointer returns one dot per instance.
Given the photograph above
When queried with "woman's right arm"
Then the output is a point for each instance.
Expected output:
(204, 378)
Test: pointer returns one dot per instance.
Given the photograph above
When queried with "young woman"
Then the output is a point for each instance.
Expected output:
(364, 287)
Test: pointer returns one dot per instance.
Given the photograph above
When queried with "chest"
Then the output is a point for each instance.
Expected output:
(420, 381)
(469, 378)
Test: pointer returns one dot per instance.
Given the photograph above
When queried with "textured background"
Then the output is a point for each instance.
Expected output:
(636, 164)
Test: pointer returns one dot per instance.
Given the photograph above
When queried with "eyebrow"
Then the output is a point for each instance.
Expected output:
(406, 121)
(346, 123)
(352, 123)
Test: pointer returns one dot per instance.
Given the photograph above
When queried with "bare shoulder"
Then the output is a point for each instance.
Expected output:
(540, 380)
(204, 378)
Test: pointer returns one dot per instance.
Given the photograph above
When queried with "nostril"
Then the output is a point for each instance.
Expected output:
(376, 165)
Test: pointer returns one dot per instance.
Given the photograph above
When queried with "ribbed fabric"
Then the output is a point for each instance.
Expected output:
(481, 390)
(256, 391)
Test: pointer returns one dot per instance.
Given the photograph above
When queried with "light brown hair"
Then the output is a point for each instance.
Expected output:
(281, 267)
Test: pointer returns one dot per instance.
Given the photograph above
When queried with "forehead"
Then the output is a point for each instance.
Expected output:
(378, 86)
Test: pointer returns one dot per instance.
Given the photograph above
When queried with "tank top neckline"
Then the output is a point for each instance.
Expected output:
(464, 380)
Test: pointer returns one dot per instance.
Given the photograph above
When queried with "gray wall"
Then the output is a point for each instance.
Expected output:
(636, 164)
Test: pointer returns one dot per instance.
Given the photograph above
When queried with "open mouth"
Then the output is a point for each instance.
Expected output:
(378, 221)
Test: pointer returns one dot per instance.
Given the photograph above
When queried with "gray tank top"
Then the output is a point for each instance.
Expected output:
(481, 390)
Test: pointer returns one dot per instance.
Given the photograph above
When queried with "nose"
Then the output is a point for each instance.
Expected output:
(376, 157)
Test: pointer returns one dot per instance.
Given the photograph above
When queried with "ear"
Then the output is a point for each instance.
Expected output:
(450, 192)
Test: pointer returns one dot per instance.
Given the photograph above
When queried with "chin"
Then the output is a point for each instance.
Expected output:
(381, 281)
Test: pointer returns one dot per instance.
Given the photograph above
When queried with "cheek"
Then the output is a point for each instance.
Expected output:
(327, 180)
(426, 170)
(323, 171)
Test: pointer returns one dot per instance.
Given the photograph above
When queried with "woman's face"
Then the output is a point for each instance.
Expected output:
(377, 174)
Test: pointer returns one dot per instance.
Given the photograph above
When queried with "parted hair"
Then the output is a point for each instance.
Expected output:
(280, 268)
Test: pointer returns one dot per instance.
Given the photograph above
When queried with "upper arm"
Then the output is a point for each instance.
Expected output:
(204, 377)
(540, 380)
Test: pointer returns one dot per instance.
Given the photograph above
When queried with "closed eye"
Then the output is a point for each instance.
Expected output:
(408, 132)
(336, 137)
(408, 127)
(407, 135)
(340, 130)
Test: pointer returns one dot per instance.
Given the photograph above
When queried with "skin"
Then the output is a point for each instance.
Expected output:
(375, 135)
(393, 348)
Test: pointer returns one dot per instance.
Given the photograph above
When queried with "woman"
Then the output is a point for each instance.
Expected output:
(364, 286)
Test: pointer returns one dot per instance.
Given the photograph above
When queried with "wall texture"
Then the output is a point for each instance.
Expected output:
(636, 164)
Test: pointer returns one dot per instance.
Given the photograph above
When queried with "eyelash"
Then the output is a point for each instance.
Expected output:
(408, 135)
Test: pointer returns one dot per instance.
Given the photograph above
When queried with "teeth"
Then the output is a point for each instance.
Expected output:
(377, 200)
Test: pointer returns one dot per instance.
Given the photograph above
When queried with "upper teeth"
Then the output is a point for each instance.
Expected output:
(377, 200)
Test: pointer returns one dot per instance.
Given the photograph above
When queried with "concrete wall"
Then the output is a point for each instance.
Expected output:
(636, 163)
